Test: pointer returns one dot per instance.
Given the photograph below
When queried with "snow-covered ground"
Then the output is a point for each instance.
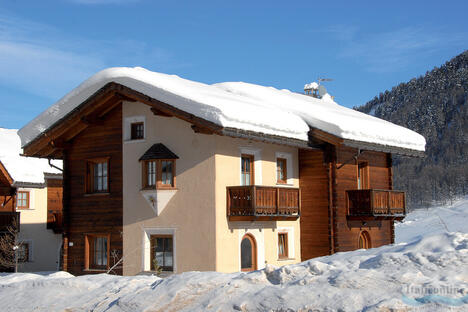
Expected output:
(427, 270)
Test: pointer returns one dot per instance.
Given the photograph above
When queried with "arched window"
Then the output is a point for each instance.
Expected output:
(248, 253)
(364, 240)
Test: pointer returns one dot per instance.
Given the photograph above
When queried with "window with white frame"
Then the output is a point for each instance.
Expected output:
(285, 243)
(134, 128)
(284, 168)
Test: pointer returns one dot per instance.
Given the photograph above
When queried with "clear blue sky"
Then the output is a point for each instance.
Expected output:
(48, 47)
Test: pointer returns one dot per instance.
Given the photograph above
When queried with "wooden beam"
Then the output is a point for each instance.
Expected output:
(201, 130)
(158, 112)
(324, 136)
(7, 191)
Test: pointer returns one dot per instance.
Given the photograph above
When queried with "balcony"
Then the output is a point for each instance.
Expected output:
(376, 205)
(9, 218)
(55, 221)
(262, 203)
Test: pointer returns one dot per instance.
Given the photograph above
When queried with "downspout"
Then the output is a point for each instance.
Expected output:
(54, 166)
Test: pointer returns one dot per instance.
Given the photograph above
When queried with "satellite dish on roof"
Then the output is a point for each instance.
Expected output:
(322, 90)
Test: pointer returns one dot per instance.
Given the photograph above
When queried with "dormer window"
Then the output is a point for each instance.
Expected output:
(158, 167)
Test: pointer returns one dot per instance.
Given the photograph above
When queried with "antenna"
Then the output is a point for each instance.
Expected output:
(323, 79)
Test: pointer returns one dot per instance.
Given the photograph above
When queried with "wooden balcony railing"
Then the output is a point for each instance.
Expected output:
(376, 204)
(55, 221)
(262, 203)
(9, 218)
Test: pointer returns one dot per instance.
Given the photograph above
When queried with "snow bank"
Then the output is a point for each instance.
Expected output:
(238, 105)
(434, 220)
(22, 169)
(372, 280)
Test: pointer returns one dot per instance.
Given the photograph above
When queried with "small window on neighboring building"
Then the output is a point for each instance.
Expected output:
(137, 131)
(97, 251)
(364, 240)
(162, 255)
(22, 201)
(281, 173)
(98, 176)
(23, 252)
(282, 245)
(363, 175)
(247, 170)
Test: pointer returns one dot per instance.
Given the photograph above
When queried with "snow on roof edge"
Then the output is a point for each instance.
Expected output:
(221, 103)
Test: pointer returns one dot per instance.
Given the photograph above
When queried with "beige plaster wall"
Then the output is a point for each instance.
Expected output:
(189, 214)
(230, 233)
(196, 214)
(43, 243)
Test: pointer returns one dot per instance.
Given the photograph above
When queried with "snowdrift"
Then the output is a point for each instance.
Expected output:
(353, 281)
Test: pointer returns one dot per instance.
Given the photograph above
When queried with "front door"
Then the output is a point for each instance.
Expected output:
(248, 253)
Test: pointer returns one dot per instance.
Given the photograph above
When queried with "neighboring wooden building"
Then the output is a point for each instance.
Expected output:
(148, 184)
(27, 193)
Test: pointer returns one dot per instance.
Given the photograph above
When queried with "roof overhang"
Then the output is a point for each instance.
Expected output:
(316, 135)
(52, 142)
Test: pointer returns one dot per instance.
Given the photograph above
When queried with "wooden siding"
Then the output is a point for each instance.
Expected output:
(93, 213)
(346, 236)
(313, 182)
(54, 205)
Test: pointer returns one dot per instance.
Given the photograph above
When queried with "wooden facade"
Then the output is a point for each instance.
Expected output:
(327, 177)
(93, 213)
(54, 204)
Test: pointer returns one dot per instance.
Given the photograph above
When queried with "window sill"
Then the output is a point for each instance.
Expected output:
(25, 209)
(286, 259)
(134, 141)
(284, 184)
(96, 194)
(95, 270)
(159, 188)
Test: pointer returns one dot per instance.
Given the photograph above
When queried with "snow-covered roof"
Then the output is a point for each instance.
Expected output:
(237, 105)
(22, 169)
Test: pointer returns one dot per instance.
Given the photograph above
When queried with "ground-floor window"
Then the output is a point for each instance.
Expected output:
(364, 240)
(162, 254)
(282, 245)
(23, 252)
(97, 251)
(248, 253)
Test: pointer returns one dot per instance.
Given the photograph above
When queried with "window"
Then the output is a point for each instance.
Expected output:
(137, 131)
(281, 171)
(97, 176)
(247, 169)
(248, 253)
(150, 173)
(161, 252)
(282, 245)
(23, 252)
(22, 201)
(364, 240)
(97, 251)
(363, 175)
(159, 173)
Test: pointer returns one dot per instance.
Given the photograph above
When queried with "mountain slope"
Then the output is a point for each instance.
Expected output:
(436, 106)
